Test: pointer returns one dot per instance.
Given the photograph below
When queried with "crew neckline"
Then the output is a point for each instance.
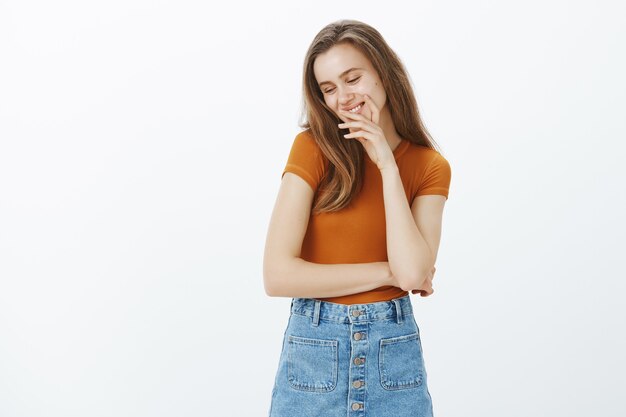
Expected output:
(400, 148)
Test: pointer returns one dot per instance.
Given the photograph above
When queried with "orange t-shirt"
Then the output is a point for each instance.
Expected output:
(356, 234)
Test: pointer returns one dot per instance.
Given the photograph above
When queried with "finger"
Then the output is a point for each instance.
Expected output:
(360, 134)
(359, 138)
(374, 109)
(365, 123)
(354, 116)
(356, 127)
(352, 124)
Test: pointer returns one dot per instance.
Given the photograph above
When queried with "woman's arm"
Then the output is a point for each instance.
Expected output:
(410, 257)
(286, 274)
(299, 278)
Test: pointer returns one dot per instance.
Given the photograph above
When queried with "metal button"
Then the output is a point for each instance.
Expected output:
(357, 336)
(356, 406)
(357, 384)
(356, 313)
(358, 361)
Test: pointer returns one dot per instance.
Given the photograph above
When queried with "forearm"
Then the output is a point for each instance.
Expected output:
(407, 250)
(300, 278)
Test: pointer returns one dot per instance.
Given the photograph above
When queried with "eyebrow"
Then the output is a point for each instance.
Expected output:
(341, 75)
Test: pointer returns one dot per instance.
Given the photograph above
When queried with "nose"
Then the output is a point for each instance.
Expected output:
(345, 96)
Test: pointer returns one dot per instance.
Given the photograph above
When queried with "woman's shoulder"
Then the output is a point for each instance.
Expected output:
(430, 172)
(426, 161)
(306, 141)
(306, 135)
(306, 144)
(422, 153)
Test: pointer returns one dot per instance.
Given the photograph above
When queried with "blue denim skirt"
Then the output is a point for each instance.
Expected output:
(341, 360)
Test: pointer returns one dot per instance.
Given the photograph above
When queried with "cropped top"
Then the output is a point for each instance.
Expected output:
(357, 233)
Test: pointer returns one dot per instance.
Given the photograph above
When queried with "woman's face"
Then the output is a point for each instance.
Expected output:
(344, 76)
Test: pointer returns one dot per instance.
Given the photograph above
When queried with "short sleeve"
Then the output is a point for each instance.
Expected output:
(436, 178)
(306, 160)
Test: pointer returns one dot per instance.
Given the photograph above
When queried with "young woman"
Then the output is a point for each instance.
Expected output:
(355, 227)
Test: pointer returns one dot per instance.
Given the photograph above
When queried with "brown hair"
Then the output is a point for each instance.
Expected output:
(344, 177)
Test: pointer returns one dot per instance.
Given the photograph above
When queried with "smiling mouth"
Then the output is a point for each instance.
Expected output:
(356, 109)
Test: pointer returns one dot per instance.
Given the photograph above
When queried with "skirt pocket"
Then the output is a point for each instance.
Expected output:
(312, 363)
(400, 362)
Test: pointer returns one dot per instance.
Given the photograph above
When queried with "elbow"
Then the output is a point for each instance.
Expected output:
(414, 278)
(273, 267)
(270, 289)
(273, 282)
(268, 280)
(269, 284)
(411, 284)
(415, 281)
(276, 277)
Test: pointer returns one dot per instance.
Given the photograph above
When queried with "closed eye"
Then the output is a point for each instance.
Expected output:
(330, 90)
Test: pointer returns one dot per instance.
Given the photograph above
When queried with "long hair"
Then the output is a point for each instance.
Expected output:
(344, 177)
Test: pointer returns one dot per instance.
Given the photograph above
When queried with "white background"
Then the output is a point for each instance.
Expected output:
(141, 148)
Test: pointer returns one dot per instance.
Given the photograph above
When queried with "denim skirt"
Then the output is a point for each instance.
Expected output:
(341, 360)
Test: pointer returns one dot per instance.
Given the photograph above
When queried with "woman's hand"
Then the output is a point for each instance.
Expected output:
(369, 134)
(426, 288)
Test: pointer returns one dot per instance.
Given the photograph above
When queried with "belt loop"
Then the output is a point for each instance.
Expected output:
(398, 310)
(316, 313)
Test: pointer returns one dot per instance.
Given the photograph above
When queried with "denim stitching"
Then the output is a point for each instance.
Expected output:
(333, 344)
(384, 377)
